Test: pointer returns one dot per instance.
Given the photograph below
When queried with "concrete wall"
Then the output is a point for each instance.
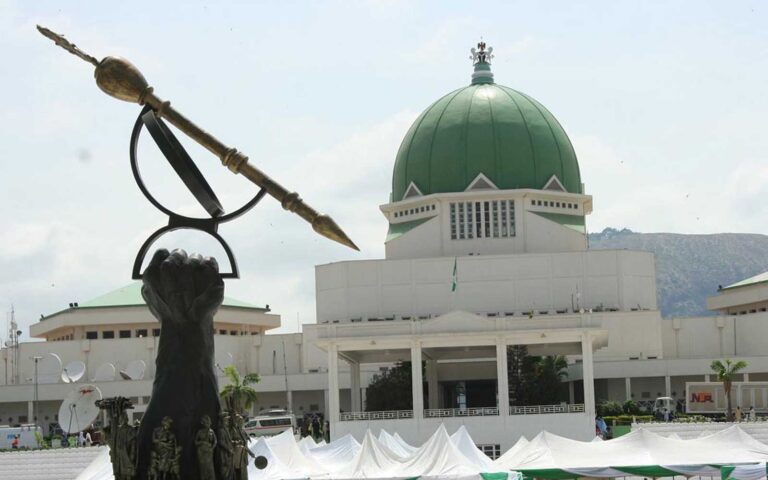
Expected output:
(714, 337)
(504, 430)
(494, 284)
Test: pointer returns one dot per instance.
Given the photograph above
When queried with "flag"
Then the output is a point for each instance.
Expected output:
(455, 281)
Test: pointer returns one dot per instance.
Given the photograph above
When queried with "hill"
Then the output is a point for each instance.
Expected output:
(690, 267)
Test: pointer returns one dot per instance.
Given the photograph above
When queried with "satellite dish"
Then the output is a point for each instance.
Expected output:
(73, 372)
(134, 370)
(49, 368)
(79, 409)
(223, 360)
(105, 373)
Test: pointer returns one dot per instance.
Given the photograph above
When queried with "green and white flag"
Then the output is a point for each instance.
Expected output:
(455, 281)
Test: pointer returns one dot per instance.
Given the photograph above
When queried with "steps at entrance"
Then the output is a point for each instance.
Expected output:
(53, 464)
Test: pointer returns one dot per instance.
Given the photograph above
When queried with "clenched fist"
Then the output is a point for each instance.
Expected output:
(180, 288)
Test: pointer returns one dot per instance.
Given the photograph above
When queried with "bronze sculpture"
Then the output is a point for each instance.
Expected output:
(205, 443)
(224, 451)
(121, 437)
(120, 79)
(240, 450)
(166, 453)
(183, 292)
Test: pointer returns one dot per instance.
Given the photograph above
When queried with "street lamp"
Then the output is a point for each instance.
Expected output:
(36, 358)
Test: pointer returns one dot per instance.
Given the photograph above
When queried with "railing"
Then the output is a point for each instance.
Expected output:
(460, 412)
(366, 416)
(547, 409)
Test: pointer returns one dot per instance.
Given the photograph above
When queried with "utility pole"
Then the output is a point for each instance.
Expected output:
(36, 358)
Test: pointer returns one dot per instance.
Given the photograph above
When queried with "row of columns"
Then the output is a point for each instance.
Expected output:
(417, 380)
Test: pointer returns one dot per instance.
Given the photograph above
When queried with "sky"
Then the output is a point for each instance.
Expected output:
(665, 103)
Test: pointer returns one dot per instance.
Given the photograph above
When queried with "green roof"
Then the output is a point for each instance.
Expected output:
(399, 229)
(574, 222)
(761, 278)
(484, 128)
(130, 296)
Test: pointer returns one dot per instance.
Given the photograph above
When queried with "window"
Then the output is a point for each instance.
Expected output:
(492, 450)
(487, 219)
(91, 335)
(141, 332)
(155, 332)
(222, 332)
(125, 334)
(108, 334)
(233, 332)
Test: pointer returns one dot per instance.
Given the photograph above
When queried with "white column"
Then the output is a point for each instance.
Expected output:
(354, 386)
(667, 386)
(289, 400)
(363, 398)
(417, 386)
(746, 377)
(627, 388)
(333, 384)
(571, 393)
(502, 379)
(706, 377)
(588, 369)
(432, 384)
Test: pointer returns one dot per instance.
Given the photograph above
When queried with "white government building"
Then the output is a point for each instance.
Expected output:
(486, 248)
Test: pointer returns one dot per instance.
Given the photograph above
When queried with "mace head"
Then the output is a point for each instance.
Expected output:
(121, 79)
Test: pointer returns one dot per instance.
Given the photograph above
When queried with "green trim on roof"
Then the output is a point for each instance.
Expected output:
(398, 229)
(761, 278)
(130, 296)
(574, 222)
(484, 128)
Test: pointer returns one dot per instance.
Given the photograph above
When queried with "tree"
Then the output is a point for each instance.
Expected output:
(535, 380)
(390, 390)
(239, 395)
(725, 373)
(549, 375)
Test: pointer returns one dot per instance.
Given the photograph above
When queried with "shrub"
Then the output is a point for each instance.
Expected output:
(630, 407)
(609, 408)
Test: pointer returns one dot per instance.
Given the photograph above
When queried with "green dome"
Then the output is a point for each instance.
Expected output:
(484, 128)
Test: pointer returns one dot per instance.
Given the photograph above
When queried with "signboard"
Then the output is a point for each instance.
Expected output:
(709, 397)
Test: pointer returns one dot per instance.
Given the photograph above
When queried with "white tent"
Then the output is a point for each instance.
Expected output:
(638, 453)
(396, 444)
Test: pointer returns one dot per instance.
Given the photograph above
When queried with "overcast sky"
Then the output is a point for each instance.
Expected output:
(665, 103)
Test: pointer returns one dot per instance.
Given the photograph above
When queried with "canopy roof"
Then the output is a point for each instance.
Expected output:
(730, 452)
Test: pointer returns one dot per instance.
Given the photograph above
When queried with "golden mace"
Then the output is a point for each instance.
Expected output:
(119, 78)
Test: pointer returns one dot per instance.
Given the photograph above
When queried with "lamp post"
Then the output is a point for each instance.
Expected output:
(36, 358)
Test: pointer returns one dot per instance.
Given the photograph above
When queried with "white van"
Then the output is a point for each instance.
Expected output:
(26, 433)
(272, 422)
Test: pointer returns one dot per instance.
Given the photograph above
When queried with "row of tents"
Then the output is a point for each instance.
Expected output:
(729, 453)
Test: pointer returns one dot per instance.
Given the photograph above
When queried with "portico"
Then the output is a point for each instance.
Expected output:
(479, 344)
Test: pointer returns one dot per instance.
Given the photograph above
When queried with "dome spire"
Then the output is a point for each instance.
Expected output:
(481, 59)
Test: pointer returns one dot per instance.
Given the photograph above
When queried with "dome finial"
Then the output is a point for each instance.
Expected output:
(481, 59)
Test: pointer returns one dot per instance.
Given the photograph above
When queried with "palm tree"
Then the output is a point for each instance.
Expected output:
(725, 373)
(239, 395)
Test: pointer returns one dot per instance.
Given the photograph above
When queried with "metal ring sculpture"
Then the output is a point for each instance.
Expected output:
(181, 162)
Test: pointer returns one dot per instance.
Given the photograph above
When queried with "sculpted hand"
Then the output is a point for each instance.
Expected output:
(180, 288)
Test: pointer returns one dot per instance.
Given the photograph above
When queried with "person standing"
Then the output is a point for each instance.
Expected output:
(738, 414)
(752, 414)
(88, 439)
(81, 439)
(15, 442)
